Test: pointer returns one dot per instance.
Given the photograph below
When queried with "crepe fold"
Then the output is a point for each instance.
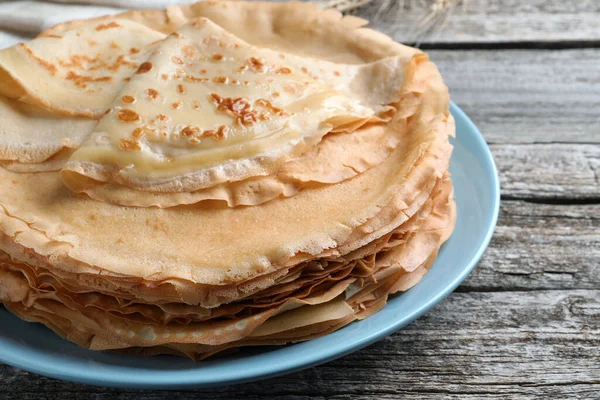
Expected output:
(217, 175)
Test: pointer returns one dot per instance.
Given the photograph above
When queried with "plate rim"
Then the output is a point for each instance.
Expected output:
(172, 380)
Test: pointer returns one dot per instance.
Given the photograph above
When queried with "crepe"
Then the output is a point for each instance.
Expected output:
(54, 88)
(335, 158)
(257, 108)
(78, 73)
(176, 209)
(34, 139)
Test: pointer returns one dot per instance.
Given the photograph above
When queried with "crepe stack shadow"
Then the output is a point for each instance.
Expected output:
(217, 175)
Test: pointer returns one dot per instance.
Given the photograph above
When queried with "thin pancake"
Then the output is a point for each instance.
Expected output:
(54, 88)
(337, 157)
(212, 108)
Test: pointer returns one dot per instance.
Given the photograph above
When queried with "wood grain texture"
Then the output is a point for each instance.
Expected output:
(526, 323)
(541, 247)
(549, 171)
(496, 22)
(526, 96)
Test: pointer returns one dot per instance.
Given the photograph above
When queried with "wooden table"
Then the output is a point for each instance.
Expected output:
(526, 323)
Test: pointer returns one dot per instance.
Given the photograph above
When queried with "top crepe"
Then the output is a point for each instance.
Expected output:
(207, 108)
(264, 113)
(168, 158)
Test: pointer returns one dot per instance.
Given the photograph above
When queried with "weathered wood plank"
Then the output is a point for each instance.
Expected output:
(495, 21)
(541, 246)
(521, 96)
(549, 171)
(520, 345)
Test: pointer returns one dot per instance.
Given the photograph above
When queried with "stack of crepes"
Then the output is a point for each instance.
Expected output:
(217, 175)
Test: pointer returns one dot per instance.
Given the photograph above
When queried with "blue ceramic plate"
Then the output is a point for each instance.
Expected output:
(34, 348)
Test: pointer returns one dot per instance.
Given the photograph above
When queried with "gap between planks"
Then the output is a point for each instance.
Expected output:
(522, 45)
(564, 201)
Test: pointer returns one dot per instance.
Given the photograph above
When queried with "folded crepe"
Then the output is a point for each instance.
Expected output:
(219, 110)
(217, 175)
(55, 88)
